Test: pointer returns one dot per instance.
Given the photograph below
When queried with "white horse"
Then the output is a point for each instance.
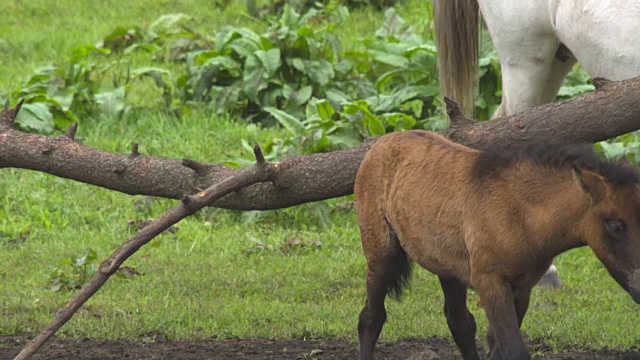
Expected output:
(538, 42)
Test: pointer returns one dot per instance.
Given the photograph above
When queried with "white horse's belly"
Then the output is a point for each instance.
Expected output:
(602, 34)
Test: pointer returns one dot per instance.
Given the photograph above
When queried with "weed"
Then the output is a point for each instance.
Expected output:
(73, 272)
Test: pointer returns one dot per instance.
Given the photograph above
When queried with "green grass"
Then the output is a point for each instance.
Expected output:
(224, 273)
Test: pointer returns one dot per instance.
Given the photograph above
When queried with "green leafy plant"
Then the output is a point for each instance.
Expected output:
(73, 272)
(576, 83)
(98, 78)
(282, 68)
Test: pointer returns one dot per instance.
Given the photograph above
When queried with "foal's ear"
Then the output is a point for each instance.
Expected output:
(591, 183)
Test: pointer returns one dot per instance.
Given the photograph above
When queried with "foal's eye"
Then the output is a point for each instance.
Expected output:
(615, 227)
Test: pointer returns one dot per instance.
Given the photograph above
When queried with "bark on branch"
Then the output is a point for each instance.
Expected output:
(611, 110)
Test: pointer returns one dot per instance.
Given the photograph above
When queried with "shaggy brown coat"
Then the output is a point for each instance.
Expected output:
(492, 220)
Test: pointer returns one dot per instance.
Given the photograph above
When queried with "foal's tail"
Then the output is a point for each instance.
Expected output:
(399, 267)
(457, 26)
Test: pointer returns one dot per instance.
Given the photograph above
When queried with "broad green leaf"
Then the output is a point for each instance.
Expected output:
(320, 141)
(243, 46)
(613, 149)
(428, 50)
(147, 70)
(371, 122)
(269, 97)
(230, 34)
(200, 57)
(289, 16)
(62, 119)
(82, 51)
(310, 16)
(337, 96)
(35, 117)
(165, 22)
(295, 126)
(117, 33)
(111, 101)
(387, 77)
(424, 61)
(392, 102)
(305, 31)
(571, 91)
(225, 36)
(225, 63)
(247, 146)
(393, 24)
(344, 66)
(301, 47)
(39, 82)
(389, 58)
(225, 98)
(325, 110)
(253, 79)
(270, 60)
(150, 48)
(320, 71)
(266, 43)
(344, 140)
(296, 63)
(120, 37)
(400, 121)
(203, 82)
(232, 164)
(156, 74)
(298, 97)
(65, 97)
(374, 125)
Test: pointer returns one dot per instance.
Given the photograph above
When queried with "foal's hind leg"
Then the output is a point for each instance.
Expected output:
(460, 321)
(372, 316)
(387, 269)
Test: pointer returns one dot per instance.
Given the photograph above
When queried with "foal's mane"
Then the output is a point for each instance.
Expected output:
(495, 159)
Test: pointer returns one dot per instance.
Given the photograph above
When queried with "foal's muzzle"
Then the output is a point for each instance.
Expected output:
(634, 286)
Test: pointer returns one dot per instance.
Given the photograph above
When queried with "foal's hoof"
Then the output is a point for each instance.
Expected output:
(551, 278)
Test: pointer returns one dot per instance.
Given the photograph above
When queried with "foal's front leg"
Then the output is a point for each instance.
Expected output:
(459, 318)
(496, 295)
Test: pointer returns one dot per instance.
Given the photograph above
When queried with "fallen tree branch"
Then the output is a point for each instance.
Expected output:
(611, 110)
(261, 172)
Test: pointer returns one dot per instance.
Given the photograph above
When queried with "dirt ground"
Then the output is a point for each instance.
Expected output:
(156, 348)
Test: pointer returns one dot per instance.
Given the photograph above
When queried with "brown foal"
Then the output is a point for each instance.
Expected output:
(491, 220)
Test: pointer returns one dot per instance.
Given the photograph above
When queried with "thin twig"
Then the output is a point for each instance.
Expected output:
(262, 172)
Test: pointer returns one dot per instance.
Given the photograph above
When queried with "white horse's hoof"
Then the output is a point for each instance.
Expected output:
(551, 278)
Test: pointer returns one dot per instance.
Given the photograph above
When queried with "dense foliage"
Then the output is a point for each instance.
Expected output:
(296, 73)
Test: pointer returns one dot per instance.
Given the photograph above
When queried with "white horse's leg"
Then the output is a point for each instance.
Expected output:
(523, 34)
(562, 63)
(525, 73)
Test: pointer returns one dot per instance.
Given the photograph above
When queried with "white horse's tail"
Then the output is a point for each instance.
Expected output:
(457, 27)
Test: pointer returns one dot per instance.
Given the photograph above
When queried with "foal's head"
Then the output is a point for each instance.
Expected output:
(610, 224)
